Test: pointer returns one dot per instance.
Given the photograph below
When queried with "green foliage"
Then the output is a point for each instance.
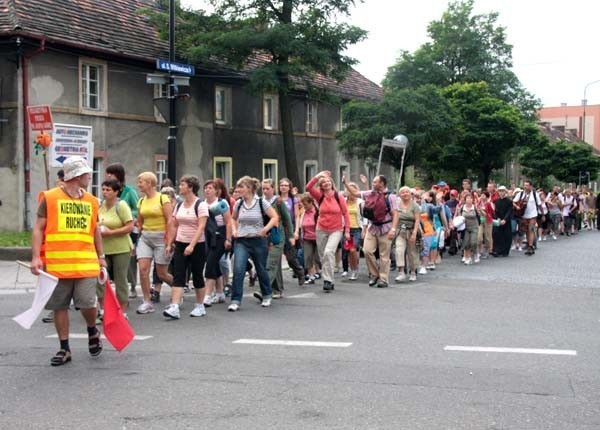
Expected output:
(11, 238)
(566, 160)
(464, 48)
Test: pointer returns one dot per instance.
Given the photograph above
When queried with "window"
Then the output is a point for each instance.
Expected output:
(222, 167)
(310, 170)
(270, 169)
(311, 117)
(161, 168)
(269, 112)
(344, 171)
(97, 176)
(92, 91)
(161, 91)
(341, 124)
(222, 105)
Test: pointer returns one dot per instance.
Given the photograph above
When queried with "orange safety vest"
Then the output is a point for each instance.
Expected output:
(69, 235)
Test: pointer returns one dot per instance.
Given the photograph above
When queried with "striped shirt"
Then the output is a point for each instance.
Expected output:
(250, 220)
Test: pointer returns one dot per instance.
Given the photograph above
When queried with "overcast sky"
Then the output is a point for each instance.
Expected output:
(555, 44)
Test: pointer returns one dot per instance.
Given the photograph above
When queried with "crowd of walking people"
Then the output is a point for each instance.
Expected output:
(219, 240)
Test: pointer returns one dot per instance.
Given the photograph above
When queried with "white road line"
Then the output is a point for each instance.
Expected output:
(293, 343)
(12, 292)
(511, 350)
(85, 336)
(304, 296)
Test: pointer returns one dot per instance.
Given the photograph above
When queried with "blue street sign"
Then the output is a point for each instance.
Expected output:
(185, 69)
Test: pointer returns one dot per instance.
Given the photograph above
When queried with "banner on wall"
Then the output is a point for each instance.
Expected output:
(69, 140)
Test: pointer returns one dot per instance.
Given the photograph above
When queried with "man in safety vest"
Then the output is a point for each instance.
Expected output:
(67, 225)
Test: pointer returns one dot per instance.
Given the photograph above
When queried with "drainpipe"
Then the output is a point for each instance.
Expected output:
(27, 137)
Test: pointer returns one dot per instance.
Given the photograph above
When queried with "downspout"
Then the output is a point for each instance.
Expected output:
(27, 136)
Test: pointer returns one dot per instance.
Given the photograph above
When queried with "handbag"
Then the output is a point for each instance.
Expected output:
(275, 236)
(520, 206)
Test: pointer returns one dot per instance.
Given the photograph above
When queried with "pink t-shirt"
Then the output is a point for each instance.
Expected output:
(188, 221)
(333, 213)
(309, 227)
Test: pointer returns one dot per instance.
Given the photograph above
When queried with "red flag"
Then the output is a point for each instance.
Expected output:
(116, 328)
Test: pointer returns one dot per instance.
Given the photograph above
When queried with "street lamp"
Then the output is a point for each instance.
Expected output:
(399, 141)
(583, 174)
(584, 105)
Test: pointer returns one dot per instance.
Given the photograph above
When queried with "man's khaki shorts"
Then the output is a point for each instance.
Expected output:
(81, 290)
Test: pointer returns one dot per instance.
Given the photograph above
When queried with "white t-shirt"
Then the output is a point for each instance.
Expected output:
(531, 211)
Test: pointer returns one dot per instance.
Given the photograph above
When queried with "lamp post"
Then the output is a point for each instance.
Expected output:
(399, 142)
(584, 105)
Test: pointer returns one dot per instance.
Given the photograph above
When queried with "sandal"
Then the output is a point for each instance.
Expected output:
(95, 344)
(60, 358)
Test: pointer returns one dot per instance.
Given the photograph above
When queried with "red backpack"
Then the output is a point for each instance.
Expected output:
(376, 207)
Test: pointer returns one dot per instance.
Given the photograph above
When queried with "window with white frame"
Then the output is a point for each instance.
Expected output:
(311, 117)
(222, 105)
(92, 92)
(269, 112)
(310, 170)
(344, 171)
(161, 170)
(97, 176)
(160, 91)
(222, 168)
(270, 169)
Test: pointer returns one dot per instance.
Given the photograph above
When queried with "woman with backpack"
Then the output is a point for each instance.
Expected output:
(186, 238)
(332, 225)
(253, 219)
(405, 228)
(116, 222)
(290, 250)
(306, 232)
(218, 241)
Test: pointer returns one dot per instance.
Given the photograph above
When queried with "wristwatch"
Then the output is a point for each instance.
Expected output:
(102, 256)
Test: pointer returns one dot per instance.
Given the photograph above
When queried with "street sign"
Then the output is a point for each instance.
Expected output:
(71, 139)
(40, 117)
(185, 69)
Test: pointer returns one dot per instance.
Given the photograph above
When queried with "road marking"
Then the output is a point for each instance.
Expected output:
(511, 350)
(12, 292)
(85, 336)
(304, 296)
(293, 343)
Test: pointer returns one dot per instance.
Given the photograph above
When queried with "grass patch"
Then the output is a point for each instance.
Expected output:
(11, 238)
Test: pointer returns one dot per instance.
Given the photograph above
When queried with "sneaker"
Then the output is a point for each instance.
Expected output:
(234, 307)
(317, 275)
(266, 303)
(477, 260)
(412, 277)
(554, 237)
(198, 311)
(519, 248)
(327, 286)
(431, 266)
(344, 273)
(218, 298)
(401, 277)
(48, 318)
(422, 271)
(227, 289)
(512, 248)
(132, 293)
(277, 295)
(145, 308)
(464, 259)
(353, 275)
(382, 284)
(373, 282)
(468, 262)
(258, 296)
(208, 301)
(172, 312)
(154, 296)
(309, 281)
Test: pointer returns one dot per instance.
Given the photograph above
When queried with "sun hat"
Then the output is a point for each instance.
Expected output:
(75, 166)
(502, 188)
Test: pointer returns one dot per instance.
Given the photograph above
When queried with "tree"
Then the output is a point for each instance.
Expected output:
(567, 161)
(279, 45)
(422, 114)
(464, 48)
(488, 129)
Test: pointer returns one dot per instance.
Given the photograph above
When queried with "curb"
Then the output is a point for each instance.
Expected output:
(12, 253)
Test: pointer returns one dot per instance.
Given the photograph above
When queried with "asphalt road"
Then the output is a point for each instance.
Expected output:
(397, 372)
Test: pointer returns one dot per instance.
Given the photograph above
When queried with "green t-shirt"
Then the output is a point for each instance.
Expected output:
(114, 218)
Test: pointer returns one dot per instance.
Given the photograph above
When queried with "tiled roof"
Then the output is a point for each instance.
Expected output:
(115, 27)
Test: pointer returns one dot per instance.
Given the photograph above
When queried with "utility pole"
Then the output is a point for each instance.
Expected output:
(172, 139)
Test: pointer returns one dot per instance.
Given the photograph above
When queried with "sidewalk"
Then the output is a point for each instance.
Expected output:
(15, 277)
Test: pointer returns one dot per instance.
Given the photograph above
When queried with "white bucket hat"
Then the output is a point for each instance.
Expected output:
(75, 166)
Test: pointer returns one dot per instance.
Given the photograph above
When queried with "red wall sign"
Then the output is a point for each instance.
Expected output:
(39, 117)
